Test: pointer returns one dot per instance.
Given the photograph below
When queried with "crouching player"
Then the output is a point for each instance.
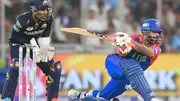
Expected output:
(34, 27)
(127, 66)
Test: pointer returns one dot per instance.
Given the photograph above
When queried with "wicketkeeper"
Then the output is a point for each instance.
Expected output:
(34, 27)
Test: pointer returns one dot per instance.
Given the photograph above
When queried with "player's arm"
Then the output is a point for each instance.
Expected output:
(44, 40)
(19, 24)
(142, 48)
(47, 31)
(123, 38)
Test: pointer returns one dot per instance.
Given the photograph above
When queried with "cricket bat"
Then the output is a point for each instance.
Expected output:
(85, 32)
(80, 31)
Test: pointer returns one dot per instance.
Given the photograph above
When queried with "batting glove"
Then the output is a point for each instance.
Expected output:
(121, 41)
(122, 37)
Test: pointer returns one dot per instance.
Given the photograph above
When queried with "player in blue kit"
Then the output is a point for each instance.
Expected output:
(126, 67)
(34, 27)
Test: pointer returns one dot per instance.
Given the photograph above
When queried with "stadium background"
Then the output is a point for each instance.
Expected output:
(83, 57)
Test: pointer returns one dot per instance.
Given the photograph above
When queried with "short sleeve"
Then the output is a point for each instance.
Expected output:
(47, 31)
(156, 50)
(137, 38)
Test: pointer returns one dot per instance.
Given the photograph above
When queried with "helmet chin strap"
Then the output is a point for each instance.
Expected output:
(150, 42)
(147, 42)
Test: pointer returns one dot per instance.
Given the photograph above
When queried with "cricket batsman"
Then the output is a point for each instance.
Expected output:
(126, 67)
(34, 27)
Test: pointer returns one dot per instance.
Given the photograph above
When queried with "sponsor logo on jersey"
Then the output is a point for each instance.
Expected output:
(139, 57)
(44, 25)
(14, 44)
(29, 28)
(34, 32)
(143, 58)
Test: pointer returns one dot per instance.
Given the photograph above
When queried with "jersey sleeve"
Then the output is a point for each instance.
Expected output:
(157, 52)
(47, 31)
(134, 36)
(137, 38)
(19, 24)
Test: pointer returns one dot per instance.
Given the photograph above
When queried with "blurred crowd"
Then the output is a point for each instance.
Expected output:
(107, 17)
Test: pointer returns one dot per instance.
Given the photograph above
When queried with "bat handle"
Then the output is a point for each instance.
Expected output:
(97, 34)
(111, 39)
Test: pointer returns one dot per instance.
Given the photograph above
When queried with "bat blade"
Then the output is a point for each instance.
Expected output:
(85, 32)
(78, 31)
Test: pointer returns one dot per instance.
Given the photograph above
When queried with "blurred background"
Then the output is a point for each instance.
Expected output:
(83, 57)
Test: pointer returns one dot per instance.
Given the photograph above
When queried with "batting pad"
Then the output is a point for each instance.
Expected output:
(135, 74)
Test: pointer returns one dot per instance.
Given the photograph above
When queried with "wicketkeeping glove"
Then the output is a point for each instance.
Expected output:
(37, 49)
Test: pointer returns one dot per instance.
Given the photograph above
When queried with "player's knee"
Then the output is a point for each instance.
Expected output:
(54, 68)
(55, 72)
(50, 80)
(14, 63)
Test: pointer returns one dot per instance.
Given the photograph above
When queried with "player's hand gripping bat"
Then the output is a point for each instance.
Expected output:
(124, 48)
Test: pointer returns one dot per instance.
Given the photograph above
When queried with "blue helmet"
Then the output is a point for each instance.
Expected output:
(156, 36)
(151, 25)
(36, 5)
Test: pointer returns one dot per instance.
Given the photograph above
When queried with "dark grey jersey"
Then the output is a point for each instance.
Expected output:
(27, 28)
